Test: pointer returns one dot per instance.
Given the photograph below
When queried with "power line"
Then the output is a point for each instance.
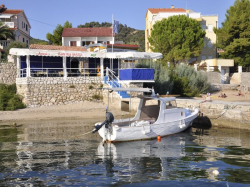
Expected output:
(42, 22)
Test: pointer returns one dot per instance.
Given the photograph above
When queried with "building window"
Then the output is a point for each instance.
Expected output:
(203, 58)
(23, 40)
(26, 27)
(210, 57)
(210, 28)
(83, 43)
(27, 41)
(205, 44)
(72, 43)
(22, 24)
(204, 27)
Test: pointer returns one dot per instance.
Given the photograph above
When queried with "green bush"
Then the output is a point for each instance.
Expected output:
(188, 82)
(8, 98)
(182, 80)
(97, 97)
(15, 103)
(91, 87)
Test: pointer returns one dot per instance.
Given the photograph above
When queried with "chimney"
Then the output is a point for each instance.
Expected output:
(187, 11)
(172, 6)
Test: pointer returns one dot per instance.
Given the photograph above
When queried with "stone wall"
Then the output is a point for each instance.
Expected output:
(217, 87)
(235, 78)
(38, 91)
(7, 73)
(214, 77)
(227, 115)
(245, 83)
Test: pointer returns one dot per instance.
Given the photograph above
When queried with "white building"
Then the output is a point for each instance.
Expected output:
(97, 37)
(17, 21)
(208, 22)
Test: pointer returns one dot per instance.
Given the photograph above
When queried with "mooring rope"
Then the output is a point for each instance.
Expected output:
(84, 133)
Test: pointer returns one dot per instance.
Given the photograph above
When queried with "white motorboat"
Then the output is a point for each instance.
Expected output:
(156, 116)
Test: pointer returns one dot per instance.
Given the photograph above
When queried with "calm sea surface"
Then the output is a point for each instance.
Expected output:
(54, 153)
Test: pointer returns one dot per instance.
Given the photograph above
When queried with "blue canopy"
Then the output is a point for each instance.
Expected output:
(136, 74)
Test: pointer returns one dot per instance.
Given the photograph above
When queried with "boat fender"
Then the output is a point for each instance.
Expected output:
(107, 122)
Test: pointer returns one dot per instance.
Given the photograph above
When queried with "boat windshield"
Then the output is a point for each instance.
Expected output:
(171, 104)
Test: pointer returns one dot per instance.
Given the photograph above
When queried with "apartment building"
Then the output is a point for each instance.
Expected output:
(208, 22)
(17, 21)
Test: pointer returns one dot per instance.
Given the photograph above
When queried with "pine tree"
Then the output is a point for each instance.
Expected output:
(56, 37)
(177, 38)
(234, 35)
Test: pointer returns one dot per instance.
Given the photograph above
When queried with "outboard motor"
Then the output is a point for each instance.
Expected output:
(107, 122)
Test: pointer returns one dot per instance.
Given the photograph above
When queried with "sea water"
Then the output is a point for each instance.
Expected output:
(59, 153)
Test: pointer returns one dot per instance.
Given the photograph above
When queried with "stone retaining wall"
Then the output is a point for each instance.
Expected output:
(222, 114)
(217, 87)
(213, 77)
(245, 83)
(38, 91)
(7, 73)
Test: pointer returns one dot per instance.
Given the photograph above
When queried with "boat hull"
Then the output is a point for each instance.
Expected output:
(129, 133)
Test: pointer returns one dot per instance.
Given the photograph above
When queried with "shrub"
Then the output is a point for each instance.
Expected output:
(15, 103)
(72, 86)
(8, 98)
(91, 87)
(188, 82)
(97, 97)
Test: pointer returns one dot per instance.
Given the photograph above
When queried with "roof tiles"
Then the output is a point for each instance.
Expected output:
(157, 10)
(87, 32)
(57, 47)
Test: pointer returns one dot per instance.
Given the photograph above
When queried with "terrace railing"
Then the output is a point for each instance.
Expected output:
(58, 72)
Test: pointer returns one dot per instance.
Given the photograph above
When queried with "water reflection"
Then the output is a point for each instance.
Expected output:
(55, 153)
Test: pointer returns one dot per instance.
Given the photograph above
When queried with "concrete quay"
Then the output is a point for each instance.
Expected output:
(229, 114)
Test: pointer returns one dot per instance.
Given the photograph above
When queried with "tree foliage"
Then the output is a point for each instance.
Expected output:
(5, 32)
(39, 41)
(177, 38)
(234, 35)
(182, 80)
(95, 24)
(126, 34)
(8, 98)
(15, 44)
(56, 37)
(188, 82)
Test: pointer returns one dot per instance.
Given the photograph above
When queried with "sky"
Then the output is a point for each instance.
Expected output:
(45, 15)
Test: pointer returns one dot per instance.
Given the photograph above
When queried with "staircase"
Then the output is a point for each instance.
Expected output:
(115, 84)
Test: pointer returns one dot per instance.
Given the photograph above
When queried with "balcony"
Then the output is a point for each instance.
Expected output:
(9, 24)
(4, 44)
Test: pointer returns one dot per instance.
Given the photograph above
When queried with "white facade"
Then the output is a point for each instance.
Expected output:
(82, 41)
(17, 21)
(208, 23)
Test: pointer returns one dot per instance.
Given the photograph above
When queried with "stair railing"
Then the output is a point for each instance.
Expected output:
(112, 77)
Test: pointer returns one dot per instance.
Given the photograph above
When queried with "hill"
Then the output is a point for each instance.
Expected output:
(38, 41)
